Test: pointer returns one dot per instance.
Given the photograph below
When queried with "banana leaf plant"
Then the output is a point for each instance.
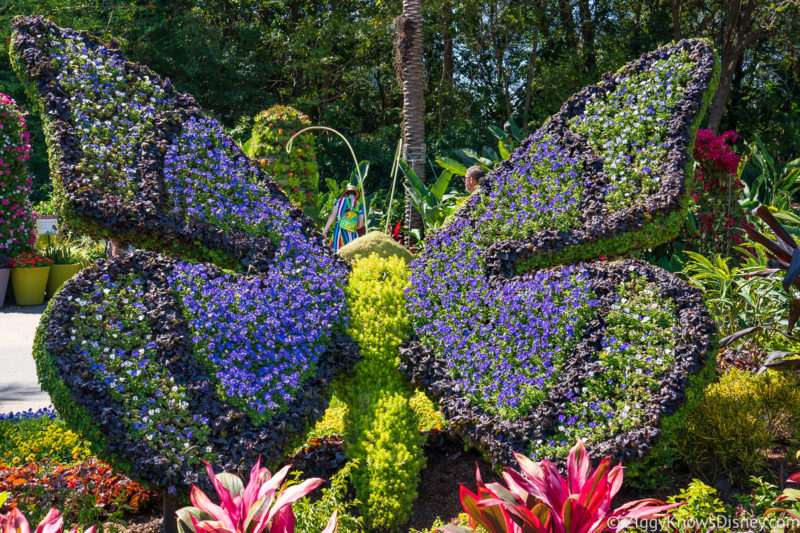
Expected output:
(436, 203)
(784, 260)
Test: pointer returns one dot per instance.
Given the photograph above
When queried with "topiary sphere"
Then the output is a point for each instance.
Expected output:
(375, 242)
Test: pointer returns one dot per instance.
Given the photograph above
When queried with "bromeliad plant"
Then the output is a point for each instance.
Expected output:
(537, 499)
(263, 506)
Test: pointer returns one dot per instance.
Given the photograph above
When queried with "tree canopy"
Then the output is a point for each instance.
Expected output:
(484, 62)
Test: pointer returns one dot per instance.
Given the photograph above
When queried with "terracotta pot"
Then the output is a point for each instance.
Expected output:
(29, 284)
(4, 275)
(59, 274)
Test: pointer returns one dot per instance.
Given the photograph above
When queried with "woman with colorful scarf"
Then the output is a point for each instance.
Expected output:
(348, 214)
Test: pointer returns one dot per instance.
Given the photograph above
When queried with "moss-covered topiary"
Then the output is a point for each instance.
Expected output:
(163, 362)
(528, 360)
(297, 172)
(376, 242)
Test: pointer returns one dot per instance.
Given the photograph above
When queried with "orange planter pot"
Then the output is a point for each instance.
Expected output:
(29, 284)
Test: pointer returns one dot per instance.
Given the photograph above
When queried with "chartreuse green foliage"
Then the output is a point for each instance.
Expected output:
(376, 242)
(727, 429)
(34, 439)
(381, 425)
(700, 505)
(312, 517)
(297, 172)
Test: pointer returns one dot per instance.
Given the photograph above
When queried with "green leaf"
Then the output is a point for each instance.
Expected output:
(515, 131)
(497, 132)
(231, 482)
(452, 165)
(441, 184)
(501, 147)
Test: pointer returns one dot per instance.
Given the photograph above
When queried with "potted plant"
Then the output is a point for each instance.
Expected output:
(68, 260)
(29, 277)
(5, 273)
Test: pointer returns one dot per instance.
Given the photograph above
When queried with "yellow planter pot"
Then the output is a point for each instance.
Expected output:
(29, 284)
(59, 274)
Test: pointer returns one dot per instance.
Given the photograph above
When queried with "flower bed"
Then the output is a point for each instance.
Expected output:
(162, 362)
(528, 361)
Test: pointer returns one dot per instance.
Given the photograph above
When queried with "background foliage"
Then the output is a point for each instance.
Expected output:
(484, 62)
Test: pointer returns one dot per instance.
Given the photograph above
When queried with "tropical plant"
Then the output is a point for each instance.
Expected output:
(538, 499)
(434, 204)
(735, 293)
(488, 158)
(788, 502)
(766, 182)
(15, 522)
(264, 505)
(785, 261)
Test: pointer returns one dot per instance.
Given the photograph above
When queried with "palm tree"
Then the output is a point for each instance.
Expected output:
(410, 71)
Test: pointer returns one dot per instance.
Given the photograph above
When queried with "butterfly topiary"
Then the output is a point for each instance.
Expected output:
(220, 342)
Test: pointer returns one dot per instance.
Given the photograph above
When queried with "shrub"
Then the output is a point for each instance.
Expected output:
(88, 491)
(529, 360)
(716, 192)
(296, 173)
(160, 362)
(16, 215)
(380, 425)
(699, 509)
(729, 427)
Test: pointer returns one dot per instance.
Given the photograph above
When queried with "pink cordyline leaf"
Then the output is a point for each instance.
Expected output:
(543, 481)
(53, 522)
(204, 503)
(579, 467)
(225, 498)
(210, 526)
(92, 529)
(794, 478)
(295, 492)
(332, 523)
(284, 521)
(15, 522)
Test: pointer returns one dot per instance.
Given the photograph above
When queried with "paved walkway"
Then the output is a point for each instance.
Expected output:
(19, 386)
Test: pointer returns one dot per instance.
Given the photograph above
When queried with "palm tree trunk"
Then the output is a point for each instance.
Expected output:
(409, 67)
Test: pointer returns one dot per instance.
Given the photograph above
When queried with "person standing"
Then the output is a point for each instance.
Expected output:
(348, 216)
